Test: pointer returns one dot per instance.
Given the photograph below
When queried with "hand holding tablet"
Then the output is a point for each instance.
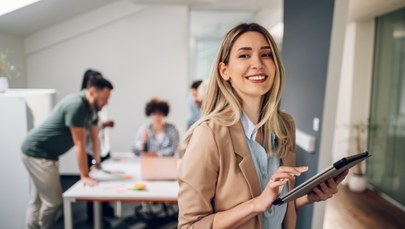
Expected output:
(332, 171)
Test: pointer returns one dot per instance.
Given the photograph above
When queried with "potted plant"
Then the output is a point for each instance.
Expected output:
(7, 69)
(357, 180)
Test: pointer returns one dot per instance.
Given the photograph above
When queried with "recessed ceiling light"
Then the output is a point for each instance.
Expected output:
(8, 6)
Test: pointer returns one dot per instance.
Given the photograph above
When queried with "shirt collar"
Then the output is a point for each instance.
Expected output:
(248, 126)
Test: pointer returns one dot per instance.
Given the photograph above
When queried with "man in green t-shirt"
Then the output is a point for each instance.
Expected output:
(65, 127)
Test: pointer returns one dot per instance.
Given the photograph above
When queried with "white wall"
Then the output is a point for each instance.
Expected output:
(330, 111)
(355, 85)
(362, 71)
(342, 129)
(14, 45)
(272, 20)
(144, 55)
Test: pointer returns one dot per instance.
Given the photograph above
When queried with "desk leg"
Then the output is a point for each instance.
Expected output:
(119, 209)
(67, 214)
(98, 222)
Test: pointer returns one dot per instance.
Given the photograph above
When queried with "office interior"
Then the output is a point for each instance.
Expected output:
(344, 61)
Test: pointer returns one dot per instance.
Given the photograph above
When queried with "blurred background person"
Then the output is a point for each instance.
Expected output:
(64, 128)
(194, 104)
(154, 139)
(104, 142)
(157, 137)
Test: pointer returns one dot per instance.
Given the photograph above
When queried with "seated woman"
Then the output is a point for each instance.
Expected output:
(154, 139)
(157, 138)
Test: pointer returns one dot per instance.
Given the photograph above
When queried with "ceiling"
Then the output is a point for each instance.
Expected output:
(45, 13)
(245, 5)
(360, 10)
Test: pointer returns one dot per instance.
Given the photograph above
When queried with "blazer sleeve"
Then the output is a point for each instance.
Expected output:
(197, 177)
(290, 160)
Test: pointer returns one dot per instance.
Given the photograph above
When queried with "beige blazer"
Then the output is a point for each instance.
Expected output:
(217, 173)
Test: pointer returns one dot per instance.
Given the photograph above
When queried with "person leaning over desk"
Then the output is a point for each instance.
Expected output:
(104, 147)
(65, 127)
(241, 154)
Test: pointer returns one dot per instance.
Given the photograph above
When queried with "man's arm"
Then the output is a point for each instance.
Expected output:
(95, 144)
(79, 139)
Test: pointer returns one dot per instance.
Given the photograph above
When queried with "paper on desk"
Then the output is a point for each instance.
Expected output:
(106, 175)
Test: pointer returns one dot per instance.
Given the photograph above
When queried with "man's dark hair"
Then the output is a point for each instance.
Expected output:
(157, 105)
(99, 83)
(89, 74)
(196, 84)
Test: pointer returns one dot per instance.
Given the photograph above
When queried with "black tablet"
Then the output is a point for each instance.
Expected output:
(331, 172)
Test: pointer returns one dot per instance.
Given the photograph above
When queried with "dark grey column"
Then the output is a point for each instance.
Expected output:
(307, 33)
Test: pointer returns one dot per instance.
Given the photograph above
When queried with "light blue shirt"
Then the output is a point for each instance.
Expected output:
(166, 145)
(195, 112)
(265, 167)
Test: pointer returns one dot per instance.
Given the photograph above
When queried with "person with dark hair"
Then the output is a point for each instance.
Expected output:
(89, 74)
(194, 103)
(154, 139)
(65, 127)
(157, 138)
(103, 124)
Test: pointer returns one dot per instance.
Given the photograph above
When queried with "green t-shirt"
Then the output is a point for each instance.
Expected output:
(53, 137)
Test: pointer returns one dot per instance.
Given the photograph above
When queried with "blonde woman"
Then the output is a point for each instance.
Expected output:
(241, 154)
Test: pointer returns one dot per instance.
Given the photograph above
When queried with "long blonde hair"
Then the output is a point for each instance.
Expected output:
(221, 102)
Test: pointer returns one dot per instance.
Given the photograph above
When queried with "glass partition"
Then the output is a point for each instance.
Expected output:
(386, 168)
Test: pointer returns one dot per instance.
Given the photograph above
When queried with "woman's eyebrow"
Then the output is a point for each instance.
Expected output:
(249, 48)
(245, 48)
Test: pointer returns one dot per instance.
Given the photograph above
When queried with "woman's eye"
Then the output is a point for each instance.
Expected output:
(243, 56)
(268, 55)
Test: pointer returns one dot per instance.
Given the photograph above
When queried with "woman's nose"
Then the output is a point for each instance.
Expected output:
(256, 62)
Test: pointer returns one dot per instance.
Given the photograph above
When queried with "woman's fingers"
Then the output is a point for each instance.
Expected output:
(341, 176)
(279, 176)
(294, 170)
(285, 173)
(328, 188)
(332, 184)
(277, 183)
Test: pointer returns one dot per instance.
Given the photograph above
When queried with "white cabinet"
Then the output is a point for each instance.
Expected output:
(20, 110)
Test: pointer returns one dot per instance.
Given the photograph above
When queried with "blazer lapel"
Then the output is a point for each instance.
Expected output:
(246, 165)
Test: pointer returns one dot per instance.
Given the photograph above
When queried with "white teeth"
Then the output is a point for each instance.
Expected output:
(256, 77)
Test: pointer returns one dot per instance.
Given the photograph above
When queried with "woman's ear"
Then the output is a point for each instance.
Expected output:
(223, 70)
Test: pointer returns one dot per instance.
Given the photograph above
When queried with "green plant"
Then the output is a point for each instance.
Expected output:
(359, 132)
(7, 68)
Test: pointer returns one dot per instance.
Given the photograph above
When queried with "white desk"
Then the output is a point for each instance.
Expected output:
(109, 190)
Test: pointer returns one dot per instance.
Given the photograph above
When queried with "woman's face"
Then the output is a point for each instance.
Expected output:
(251, 69)
(157, 118)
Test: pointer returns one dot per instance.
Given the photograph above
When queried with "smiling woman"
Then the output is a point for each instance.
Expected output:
(244, 141)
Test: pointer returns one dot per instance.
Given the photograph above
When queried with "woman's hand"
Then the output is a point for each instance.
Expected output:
(326, 189)
(274, 187)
